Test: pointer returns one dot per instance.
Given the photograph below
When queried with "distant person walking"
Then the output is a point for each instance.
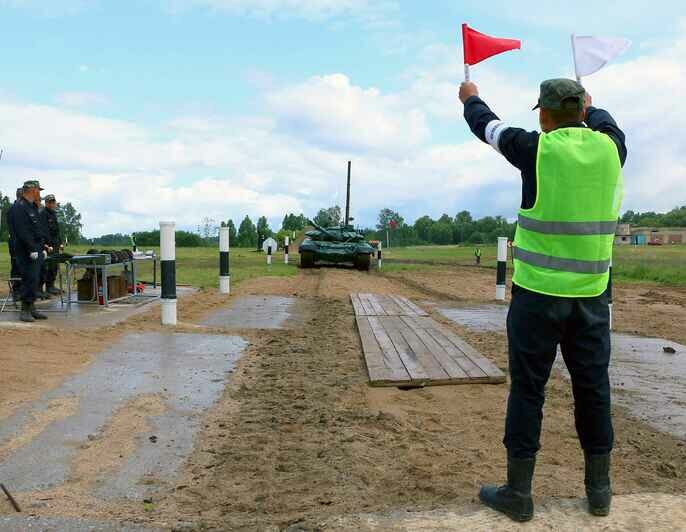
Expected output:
(477, 255)
(572, 191)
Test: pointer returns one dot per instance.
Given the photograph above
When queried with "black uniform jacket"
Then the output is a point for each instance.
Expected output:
(54, 238)
(26, 228)
(520, 147)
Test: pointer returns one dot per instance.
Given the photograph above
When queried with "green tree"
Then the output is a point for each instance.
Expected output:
(422, 226)
(441, 233)
(263, 228)
(232, 232)
(386, 216)
(69, 220)
(5, 205)
(330, 217)
(247, 233)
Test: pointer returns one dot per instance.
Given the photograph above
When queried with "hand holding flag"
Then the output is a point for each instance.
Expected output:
(478, 47)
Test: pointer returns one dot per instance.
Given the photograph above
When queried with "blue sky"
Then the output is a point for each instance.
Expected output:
(181, 109)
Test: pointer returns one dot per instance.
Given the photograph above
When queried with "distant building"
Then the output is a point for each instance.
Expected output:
(652, 236)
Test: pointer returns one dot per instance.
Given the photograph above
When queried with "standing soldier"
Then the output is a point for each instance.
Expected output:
(572, 190)
(15, 272)
(54, 242)
(29, 248)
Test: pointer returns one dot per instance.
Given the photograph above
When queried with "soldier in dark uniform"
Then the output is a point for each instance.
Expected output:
(54, 243)
(15, 273)
(43, 221)
(29, 248)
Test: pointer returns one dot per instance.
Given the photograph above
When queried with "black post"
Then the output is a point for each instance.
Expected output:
(347, 198)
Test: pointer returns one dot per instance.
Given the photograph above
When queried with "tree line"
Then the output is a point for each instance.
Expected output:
(674, 218)
(461, 228)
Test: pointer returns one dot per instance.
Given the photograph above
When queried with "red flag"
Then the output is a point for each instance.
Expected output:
(478, 46)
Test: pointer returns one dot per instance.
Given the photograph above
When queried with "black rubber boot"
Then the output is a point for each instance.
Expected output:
(597, 480)
(514, 498)
(37, 315)
(25, 314)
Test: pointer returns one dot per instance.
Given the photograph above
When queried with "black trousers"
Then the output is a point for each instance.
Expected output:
(536, 325)
(30, 276)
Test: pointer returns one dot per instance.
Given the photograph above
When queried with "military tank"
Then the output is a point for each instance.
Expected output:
(337, 245)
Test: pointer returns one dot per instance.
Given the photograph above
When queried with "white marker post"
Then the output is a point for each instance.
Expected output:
(285, 250)
(378, 255)
(501, 272)
(224, 268)
(168, 272)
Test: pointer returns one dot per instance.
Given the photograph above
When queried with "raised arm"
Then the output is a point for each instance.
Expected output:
(600, 120)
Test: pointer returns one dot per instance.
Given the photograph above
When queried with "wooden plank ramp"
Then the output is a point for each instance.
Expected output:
(404, 346)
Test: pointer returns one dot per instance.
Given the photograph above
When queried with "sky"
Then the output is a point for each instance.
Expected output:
(149, 110)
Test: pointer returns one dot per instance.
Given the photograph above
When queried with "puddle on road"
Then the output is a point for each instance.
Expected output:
(655, 380)
(257, 312)
(480, 318)
(185, 371)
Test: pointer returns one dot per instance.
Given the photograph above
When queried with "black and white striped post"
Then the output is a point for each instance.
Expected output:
(168, 271)
(285, 250)
(378, 255)
(269, 255)
(501, 271)
(224, 271)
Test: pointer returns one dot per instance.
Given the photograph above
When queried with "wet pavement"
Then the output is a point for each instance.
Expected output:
(479, 318)
(257, 312)
(183, 374)
(654, 380)
(60, 524)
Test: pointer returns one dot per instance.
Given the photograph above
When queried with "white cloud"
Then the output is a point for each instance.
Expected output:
(331, 112)
(371, 11)
(81, 99)
(644, 96)
(124, 176)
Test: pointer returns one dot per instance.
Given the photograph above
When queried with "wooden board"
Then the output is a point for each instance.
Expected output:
(403, 346)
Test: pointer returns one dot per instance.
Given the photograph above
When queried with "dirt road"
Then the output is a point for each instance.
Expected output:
(299, 438)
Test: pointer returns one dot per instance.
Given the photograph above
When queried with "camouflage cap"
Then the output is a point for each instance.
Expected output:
(32, 183)
(560, 94)
(49, 197)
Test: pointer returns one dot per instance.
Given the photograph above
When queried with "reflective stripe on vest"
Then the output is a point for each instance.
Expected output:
(559, 264)
(567, 228)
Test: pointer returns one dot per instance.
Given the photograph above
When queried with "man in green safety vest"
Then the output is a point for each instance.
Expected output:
(572, 191)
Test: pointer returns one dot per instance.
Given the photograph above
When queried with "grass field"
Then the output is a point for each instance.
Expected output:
(199, 266)
(659, 264)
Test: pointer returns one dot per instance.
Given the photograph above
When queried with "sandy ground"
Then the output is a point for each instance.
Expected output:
(299, 438)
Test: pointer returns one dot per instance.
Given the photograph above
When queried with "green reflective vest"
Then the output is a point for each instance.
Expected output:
(563, 244)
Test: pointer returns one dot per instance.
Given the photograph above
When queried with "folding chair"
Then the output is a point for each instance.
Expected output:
(10, 294)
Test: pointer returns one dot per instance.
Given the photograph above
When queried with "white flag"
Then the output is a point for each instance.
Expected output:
(593, 53)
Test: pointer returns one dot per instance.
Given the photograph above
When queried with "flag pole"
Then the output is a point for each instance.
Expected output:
(464, 52)
(576, 68)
